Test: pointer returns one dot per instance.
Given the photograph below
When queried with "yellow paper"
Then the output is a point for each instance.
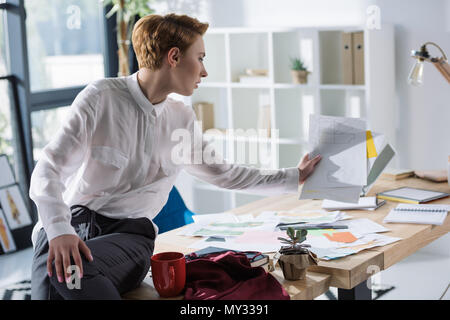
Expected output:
(371, 150)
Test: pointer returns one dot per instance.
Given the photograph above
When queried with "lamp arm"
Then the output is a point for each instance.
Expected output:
(439, 48)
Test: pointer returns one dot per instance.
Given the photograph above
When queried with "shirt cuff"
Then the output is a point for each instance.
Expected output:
(291, 181)
(58, 229)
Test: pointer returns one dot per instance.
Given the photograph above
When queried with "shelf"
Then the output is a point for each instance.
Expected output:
(289, 45)
(343, 103)
(280, 86)
(218, 97)
(342, 87)
(248, 50)
(293, 86)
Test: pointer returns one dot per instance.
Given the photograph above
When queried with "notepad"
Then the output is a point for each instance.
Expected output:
(411, 195)
(416, 213)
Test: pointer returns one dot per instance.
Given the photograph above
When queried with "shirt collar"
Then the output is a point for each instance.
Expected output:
(141, 99)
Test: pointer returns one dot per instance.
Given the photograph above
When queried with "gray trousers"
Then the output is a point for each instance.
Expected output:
(121, 249)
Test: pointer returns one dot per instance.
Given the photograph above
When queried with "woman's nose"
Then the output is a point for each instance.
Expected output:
(204, 73)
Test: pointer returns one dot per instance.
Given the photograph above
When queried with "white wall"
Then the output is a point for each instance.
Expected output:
(422, 114)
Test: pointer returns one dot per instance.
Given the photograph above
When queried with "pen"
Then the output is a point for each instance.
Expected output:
(315, 227)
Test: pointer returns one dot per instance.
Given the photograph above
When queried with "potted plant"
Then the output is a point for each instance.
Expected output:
(296, 257)
(127, 11)
(299, 71)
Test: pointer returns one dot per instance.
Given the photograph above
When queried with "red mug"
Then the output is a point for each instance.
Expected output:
(169, 273)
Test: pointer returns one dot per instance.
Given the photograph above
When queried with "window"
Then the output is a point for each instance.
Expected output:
(6, 133)
(6, 130)
(3, 57)
(45, 124)
(65, 40)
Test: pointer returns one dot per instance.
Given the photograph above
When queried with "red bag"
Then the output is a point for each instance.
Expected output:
(229, 276)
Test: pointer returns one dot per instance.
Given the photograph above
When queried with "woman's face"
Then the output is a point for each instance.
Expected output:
(190, 69)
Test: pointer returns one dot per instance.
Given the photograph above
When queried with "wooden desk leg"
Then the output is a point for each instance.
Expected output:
(360, 292)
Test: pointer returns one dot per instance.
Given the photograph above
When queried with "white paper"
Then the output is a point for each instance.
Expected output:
(308, 216)
(360, 227)
(342, 144)
(225, 225)
(212, 217)
(363, 203)
(238, 246)
(342, 250)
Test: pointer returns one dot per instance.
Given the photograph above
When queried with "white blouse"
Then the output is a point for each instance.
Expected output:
(113, 155)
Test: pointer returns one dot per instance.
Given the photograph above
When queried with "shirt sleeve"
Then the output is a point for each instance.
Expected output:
(213, 169)
(60, 158)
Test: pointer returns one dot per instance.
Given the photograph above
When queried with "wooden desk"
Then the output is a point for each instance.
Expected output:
(350, 273)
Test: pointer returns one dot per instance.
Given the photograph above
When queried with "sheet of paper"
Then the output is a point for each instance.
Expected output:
(363, 202)
(308, 216)
(226, 229)
(345, 249)
(212, 217)
(231, 244)
(346, 237)
(360, 227)
(342, 144)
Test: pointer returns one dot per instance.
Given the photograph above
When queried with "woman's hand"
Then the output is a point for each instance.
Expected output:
(61, 249)
(306, 167)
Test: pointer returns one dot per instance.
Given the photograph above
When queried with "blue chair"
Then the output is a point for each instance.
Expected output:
(174, 214)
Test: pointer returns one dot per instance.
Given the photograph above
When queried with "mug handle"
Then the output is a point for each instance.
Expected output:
(171, 277)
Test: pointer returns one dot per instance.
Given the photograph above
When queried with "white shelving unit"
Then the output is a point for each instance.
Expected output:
(236, 105)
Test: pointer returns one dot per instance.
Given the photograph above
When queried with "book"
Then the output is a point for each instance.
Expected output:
(256, 259)
(420, 214)
(204, 112)
(411, 195)
(358, 57)
(365, 203)
(397, 174)
(347, 57)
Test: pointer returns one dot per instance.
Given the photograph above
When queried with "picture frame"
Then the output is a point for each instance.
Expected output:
(7, 243)
(14, 208)
(6, 172)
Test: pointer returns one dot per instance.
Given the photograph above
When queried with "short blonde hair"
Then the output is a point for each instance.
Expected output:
(154, 35)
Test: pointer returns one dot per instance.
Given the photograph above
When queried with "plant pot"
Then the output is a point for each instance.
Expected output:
(294, 266)
(299, 77)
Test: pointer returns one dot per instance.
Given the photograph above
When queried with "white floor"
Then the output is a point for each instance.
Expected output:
(423, 275)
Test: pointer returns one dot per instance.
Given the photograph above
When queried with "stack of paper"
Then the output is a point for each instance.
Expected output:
(352, 158)
(364, 203)
(260, 233)
(361, 234)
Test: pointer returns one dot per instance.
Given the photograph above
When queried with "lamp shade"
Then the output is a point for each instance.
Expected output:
(415, 77)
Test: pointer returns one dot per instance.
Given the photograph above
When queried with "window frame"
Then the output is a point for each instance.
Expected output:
(28, 102)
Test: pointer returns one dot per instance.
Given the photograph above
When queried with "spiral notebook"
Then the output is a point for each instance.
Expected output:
(416, 213)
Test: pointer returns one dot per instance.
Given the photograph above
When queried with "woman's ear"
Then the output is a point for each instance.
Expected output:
(173, 56)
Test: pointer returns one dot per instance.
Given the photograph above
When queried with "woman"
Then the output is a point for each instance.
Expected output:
(110, 169)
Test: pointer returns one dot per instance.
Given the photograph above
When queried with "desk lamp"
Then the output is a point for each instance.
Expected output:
(416, 74)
